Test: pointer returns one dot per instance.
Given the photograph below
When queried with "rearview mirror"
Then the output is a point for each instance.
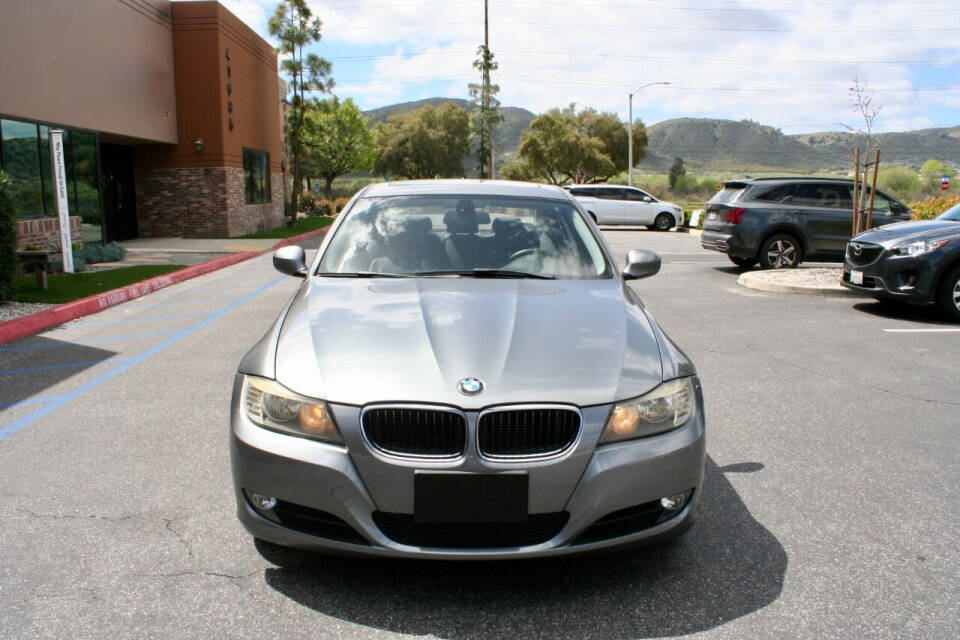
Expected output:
(291, 261)
(641, 263)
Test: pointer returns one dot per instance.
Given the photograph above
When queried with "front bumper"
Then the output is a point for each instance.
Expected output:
(327, 479)
(894, 277)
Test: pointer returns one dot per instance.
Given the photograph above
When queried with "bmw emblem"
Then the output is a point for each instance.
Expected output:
(470, 386)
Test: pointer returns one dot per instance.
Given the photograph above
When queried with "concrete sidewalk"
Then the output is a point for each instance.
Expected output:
(184, 251)
(197, 245)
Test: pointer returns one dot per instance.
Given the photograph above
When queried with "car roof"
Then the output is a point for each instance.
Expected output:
(789, 179)
(599, 185)
(465, 187)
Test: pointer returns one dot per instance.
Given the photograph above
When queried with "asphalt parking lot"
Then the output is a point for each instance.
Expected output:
(829, 510)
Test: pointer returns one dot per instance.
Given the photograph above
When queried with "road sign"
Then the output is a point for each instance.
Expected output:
(944, 182)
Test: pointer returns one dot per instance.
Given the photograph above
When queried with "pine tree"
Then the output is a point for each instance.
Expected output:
(294, 26)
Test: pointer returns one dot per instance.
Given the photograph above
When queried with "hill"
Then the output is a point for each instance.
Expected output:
(719, 145)
(707, 144)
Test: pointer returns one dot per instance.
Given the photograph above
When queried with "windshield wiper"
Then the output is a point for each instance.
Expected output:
(361, 274)
(485, 273)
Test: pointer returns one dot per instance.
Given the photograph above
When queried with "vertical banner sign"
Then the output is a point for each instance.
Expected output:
(945, 182)
(60, 189)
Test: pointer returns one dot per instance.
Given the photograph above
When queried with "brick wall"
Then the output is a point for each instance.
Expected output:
(44, 233)
(202, 202)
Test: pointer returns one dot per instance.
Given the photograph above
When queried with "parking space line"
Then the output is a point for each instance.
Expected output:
(84, 343)
(59, 401)
(944, 330)
(105, 323)
(54, 367)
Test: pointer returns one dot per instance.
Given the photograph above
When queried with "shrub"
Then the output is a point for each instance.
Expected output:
(901, 182)
(8, 238)
(932, 207)
(339, 204)
(112, 252)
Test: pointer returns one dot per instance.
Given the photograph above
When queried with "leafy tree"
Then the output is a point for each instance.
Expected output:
(676, 170)
(563, 146)
(294, 26)
(8, 238)
(424, 143)
(902, 182)
(487, 114)
(337, 140)
(930, 174)
(614, 135)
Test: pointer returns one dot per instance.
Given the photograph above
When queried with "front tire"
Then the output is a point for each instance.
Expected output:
(780, 251)
(663, 222)
(743, 263)
(948, 297)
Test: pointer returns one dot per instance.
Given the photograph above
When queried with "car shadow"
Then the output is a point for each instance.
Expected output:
(727, 566)
(894, 310)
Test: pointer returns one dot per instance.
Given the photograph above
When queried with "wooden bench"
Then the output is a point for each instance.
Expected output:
(42, 263)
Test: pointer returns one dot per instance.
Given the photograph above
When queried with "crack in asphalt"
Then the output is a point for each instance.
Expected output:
(66, 516)
(168, 525)
(75, 594)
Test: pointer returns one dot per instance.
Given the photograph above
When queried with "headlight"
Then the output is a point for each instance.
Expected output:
(665, 408)
(919, 247)
(271, 405)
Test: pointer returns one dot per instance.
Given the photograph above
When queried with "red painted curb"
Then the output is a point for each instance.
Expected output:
(54, 316)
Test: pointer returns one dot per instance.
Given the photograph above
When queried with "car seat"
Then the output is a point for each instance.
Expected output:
(463, 246)
(414, 248)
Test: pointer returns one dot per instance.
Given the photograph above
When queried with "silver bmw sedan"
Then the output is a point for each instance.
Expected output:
(465, 374)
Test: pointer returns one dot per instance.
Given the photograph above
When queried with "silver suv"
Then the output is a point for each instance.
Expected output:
(779, 222)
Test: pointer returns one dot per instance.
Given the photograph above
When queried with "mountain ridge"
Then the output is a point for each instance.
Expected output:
(714, 144)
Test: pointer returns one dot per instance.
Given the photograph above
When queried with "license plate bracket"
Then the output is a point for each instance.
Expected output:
(470, 497)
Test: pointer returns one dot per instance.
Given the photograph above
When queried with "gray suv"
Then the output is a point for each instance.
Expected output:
(779, 222)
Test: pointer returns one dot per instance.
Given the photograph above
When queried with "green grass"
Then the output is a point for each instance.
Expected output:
(66, 287)
(303, 225)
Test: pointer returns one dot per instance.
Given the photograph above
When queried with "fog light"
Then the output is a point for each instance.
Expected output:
(674, 502)
(261, 502)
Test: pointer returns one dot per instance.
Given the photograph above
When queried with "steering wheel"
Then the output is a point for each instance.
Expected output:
(523, 252)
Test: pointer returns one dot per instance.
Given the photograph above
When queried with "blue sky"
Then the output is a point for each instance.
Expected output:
(788, 64)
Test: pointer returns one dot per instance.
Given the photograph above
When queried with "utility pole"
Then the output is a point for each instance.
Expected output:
(486, 86)
(630, 132)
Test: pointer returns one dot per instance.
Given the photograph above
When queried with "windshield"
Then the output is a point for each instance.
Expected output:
(729, 193)
(953, 213)
(455, 235)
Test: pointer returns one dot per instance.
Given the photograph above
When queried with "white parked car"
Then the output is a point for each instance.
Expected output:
(617, 204)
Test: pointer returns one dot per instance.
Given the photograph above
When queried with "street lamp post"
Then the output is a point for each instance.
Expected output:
(630, 133)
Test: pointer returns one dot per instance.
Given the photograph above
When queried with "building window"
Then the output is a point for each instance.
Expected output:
(256, 176)
(25, 156)
(21, 161)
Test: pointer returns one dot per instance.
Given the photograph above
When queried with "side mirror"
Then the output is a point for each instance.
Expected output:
(647, 199)
(641, 263)
(291, 261)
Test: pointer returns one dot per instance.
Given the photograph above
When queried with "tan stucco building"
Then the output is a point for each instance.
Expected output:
(171, 111)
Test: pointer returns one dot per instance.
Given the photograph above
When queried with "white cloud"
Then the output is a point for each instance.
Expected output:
(733, 63)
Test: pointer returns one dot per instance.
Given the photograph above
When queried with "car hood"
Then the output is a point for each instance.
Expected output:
(891, 234)
(357, 341)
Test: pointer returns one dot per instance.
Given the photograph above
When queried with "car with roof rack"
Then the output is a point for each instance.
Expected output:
(780, 222)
